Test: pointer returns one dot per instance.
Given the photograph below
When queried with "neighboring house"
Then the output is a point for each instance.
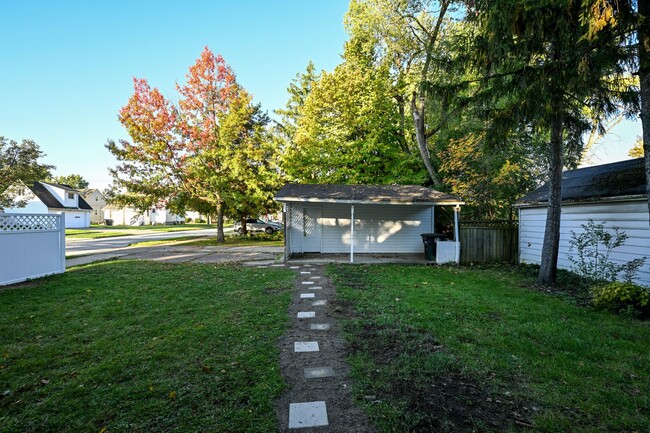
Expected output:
(96, 200)
(44, 197)
(612, 194)
(385, 219)
(129, 216)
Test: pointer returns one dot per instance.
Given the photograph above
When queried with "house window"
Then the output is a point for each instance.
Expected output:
(71, 195)
(95, 211)
(96, 198)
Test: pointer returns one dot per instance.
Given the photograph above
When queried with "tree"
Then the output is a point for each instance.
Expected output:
(348, 129)
(196, 152)
(541, 71)
(75, 181)
(637, 150)
(19, 163)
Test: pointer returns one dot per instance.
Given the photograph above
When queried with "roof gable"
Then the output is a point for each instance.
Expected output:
(601, 182)
(49, 200)
(386, 194)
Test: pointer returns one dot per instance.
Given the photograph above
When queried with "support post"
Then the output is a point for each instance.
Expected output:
(457, 231)
(351, 233)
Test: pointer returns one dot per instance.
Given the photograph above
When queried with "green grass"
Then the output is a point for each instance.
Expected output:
(459, 349)
(274, 240)
(130, 346)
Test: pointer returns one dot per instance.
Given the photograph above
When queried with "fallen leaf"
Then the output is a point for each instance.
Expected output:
(172, 394)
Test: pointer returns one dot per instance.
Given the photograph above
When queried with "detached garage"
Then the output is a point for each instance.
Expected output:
(364, 219)
(611, 194)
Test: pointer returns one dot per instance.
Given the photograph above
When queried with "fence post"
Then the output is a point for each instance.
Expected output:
(62, 239)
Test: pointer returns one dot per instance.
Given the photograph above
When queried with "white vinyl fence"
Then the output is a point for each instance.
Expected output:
(31, 246)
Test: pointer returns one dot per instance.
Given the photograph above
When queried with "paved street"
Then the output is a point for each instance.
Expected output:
(78, 246)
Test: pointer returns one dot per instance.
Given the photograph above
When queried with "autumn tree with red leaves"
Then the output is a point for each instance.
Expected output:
(208, 150)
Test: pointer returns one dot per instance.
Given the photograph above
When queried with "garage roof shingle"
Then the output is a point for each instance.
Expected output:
(387, 194)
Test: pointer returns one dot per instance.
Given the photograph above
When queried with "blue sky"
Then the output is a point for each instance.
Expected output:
(67, 66)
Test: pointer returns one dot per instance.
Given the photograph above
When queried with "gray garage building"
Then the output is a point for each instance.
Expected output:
(363, 219)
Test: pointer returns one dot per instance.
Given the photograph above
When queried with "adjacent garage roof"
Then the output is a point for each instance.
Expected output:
(365, 194)
(617, 181)
(52, 202)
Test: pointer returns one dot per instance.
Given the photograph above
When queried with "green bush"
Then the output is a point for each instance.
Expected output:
(622, 297)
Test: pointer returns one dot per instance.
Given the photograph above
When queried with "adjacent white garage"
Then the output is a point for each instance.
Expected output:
(609, 194)
(363, 219)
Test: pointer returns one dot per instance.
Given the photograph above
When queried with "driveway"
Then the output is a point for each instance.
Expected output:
(84, 251)
(78, 246)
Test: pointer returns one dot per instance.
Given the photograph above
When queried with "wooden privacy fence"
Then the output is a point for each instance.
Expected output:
(31, 246)
(489, 241)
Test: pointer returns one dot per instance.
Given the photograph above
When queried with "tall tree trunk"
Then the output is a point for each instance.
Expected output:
(644, 79)
(220, 237)
(548, 268)
(417, 109)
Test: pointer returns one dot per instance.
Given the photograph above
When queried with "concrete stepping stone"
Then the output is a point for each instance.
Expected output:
(306, 314)
(305, 346)
(308, 282)
(319, 303)
(314, 278)
(308, 414)
(314, 288)
(305, 272)
(294, 267)
(307, 295)
(319, 326)
(278, 266)
(318, 372)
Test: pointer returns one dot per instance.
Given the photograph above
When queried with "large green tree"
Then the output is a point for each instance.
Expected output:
(19, 162)
(542, 72)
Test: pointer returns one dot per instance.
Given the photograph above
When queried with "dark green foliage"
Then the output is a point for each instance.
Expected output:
(623, 298)
(19, 163)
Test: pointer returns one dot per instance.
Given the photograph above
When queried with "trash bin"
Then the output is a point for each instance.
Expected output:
(429, 240)
(108, 222)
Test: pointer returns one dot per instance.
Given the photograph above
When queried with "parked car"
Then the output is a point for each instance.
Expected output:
(256, 225)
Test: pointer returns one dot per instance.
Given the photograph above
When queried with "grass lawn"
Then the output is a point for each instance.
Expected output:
(230, 241)
(132, 346)
(447, 349)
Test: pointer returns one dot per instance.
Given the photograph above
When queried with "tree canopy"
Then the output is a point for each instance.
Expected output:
(19, 162)
(208, 150)
(75, 181)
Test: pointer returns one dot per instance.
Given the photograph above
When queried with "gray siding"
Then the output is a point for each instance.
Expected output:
(630, 217)
(378, 228)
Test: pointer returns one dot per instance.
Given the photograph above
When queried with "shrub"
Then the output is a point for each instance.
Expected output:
(622, 297)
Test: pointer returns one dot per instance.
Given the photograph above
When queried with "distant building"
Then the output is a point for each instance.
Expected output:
(96, 200)
(44, 197)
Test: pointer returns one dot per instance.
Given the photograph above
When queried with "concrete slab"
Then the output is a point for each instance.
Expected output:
(318, 372)
(307, 295)
(306, 314)
(294, 267)
(308, 282)
(314, 288)
(319, 303)
(319, 326)
(314, 278)
(308, 414)
(305, 346)
(305, 272)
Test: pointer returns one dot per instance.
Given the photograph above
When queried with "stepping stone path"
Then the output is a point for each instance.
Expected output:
(319, 395)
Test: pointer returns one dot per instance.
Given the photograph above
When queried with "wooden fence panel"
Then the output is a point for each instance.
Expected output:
(489, 241)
